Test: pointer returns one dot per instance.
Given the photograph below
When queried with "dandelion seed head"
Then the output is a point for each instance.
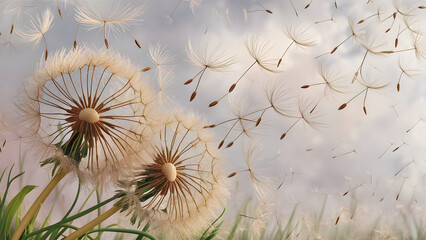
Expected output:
(178, 182)
(88, 108)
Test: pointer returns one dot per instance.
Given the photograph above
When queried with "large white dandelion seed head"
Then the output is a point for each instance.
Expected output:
(88, 107)
(183, 171)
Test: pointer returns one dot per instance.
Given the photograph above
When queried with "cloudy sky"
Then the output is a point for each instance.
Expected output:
(346, 150)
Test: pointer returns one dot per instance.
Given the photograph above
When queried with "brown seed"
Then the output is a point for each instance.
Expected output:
(193, 96)
(229, 144)
(337, 220)
(365, 110)
(361, 21)
(269, 11)
(381, 200)
(188, 82)
(335, 4)
(60, 13)
(75, 44)
(221, 144)
(232, 87)
(307, 6)
(283, 136)
(137, 44)
(346, 193)
(395, 149)
(396, 42)
(397, 197)
(334, 49)
(388, 30)
(397, 87)
(45, 55)
(279, 62)
(394, 15)
(232, 174)
(422, 7)
(212, 104)
(146, 69)
(212, 126)
(258, 121)
(305, 86)
(342, 106)
(11, 29)
(106, 43)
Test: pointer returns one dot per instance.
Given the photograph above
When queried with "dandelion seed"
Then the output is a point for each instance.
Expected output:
(332, 82)
(415, 124)
(294, 8)
(246, 12)
(406, 165)
(308, 118)
(352, 189)
(331, 19)
(390, 145)
(373, 15)
(400, 189)
(240, 122)
(373, 85)
(259, 51)
(113, 21)
(207, 58)
(405, 71)
(346, 153)
(353, 35)
(299, 36)
(398, 147)
(37, 30)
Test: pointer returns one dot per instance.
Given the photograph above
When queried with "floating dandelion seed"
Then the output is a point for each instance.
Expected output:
(192, 4)
(259, 51)
(394, 15)
(162, 58)
(178, 180)
(331, 19)
(207, 58)
(354, 34)
(399, 146)
(346, 153)
(373, 15)
(294, 8)
(37, 30)
(419, 48)
(405, 71)
(299, 36)
(406, 165)
(331, 82)
(373, 85)
(306, 115)
(246, 12)
(400, 189)
(387, 149)
(112, 21)
(352, 189)
(415, 124)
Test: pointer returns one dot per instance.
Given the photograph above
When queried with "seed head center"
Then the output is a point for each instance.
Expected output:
(169, 171)
(89, 115)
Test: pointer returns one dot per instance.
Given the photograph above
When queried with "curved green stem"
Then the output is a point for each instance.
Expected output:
(120, 230)
(69, 219)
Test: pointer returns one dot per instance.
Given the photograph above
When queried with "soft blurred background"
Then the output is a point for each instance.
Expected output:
(350, 151)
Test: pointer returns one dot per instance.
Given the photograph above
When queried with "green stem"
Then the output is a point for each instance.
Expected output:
(120, 230)
(69, 219)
